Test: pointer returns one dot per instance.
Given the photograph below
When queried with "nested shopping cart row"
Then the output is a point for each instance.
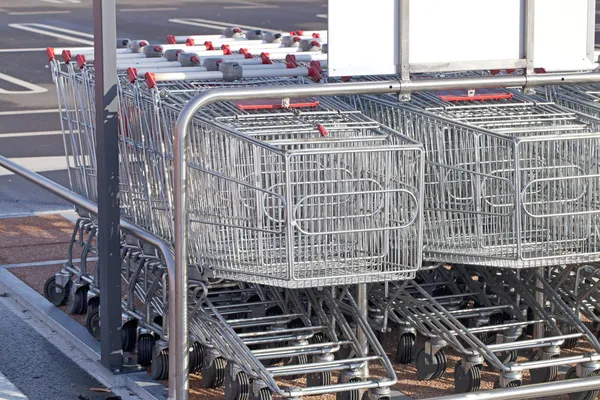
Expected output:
(318, 192)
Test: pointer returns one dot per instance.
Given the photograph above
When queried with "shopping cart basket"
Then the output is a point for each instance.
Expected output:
(511, 180)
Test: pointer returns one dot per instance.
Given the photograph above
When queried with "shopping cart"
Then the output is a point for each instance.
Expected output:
(505, 177)
(351, 185)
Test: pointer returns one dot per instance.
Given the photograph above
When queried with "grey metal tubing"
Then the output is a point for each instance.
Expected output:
(179, 298)
(530, 391)
(135, 230)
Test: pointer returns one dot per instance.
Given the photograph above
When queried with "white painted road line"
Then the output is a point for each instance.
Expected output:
(56, 28)
(62, 1)
(31, 88)
(147, 9)
(207, 23)
(26, 134)
(249, 5)
(8, 391)
(39, 164)
(30, 28)
(22, 50)
(22, 112)
(322, 16)
(187, 22)
(39, 12)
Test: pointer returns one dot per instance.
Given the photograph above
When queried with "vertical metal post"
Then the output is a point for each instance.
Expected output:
(363, 307)
(107, 155)
(404, 40)
(530, 33)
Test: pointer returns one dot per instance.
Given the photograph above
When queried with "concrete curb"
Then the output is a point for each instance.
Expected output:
(138, 383)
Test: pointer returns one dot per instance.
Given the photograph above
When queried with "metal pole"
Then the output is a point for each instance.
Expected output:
(178, 304)
(531, 391)
(84, 204)
(363, 308)
(107, 154)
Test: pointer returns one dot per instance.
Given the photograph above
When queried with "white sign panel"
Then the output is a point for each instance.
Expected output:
(443, 35)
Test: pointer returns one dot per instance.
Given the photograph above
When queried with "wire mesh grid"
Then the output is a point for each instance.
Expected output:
(521, 195)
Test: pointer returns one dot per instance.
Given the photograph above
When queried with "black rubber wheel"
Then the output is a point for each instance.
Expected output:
(319, 379)
(298, 360)
(405, 349)
(570, 343)
(213, 374)
(467, 381)
(366, 396)
(78, 303)
(145, 345)
(160, 365)
(238, 387)
(92, 303)
(129, 335)
(505, 357)
(442, 361)
(543, 375)
(56, 295)
(92, 322)
(196, 357)
(497, 319)
(264, 394)
(429, 368)
(350, 395)
(591, 395)
(318, 337)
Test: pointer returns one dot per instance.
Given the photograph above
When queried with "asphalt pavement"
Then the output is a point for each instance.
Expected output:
(35, 368)
(30, 129)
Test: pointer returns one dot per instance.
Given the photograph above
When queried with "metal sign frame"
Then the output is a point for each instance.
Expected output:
(403, 41)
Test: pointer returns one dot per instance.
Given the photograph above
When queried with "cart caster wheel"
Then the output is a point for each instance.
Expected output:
(196, 358)
(237, 388)
(543, 375)
(512, 384)
(213, 374)
(264, 394)
(301, 359)
(56, 295)
(319, 379)
(129, 335)
(78, 303)
(367, 396)
(92, 322)
(591, 395)
(405, 349)
(350, 395)
(145, 344)
(430, 368)
(467, 381)
(570, 343)
(496, 319)
(160, 365)
(506, 357)
(93, 303)
(318, 337)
